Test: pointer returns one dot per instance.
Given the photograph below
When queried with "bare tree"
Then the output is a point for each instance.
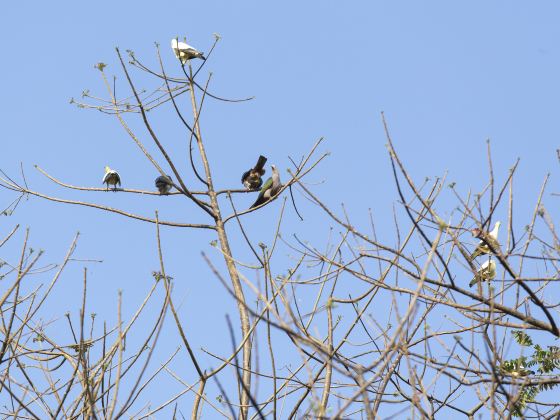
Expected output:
(352, 328)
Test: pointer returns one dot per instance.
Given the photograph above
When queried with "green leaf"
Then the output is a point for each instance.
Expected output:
(522, 338)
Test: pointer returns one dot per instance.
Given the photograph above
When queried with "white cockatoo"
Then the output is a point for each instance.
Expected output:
(184, 52)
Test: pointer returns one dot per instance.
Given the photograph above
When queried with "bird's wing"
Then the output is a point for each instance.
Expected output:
(105, 178)
(481, 274)
(491, 275)
(262, 195)
(276, 188)
(474, 280)
(245, 175)
(164, 179)
(494, 243)
(184, 46)
(110, 174)
(485, 273)
(267, 185)
(480, 249)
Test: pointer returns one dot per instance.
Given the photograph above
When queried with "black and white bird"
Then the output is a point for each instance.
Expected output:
(164, 184)
(252, 179)
(184, 52)
(270, 188)
(111, 177)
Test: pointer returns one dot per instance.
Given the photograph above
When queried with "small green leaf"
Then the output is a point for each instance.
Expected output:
(522, 338)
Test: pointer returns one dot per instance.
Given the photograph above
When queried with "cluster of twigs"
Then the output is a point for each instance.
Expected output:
(354, 329)
(42, 377)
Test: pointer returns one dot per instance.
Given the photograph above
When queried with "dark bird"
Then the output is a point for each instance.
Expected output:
(270, 188)
(164, 184)
(252, 179)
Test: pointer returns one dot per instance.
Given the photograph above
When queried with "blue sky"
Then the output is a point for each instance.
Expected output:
(448, 76)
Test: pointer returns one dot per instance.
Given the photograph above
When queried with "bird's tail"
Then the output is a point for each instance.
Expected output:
(475, 254)
(201, 56)
(260, 164)
(474, 281)
(258, 202)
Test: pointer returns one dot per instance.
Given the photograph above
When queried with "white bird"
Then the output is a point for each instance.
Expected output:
(111, 177)
(184, 52)
(491, 237)
(486, 272)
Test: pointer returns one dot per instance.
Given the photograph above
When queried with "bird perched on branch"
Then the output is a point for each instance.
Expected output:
(252, 179)
(491, 238)
(269, 189)
(486, 272)
(111, 177)
(184, 52)
(164, 184)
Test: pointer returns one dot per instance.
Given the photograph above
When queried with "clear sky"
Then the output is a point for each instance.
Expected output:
(448, 75)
